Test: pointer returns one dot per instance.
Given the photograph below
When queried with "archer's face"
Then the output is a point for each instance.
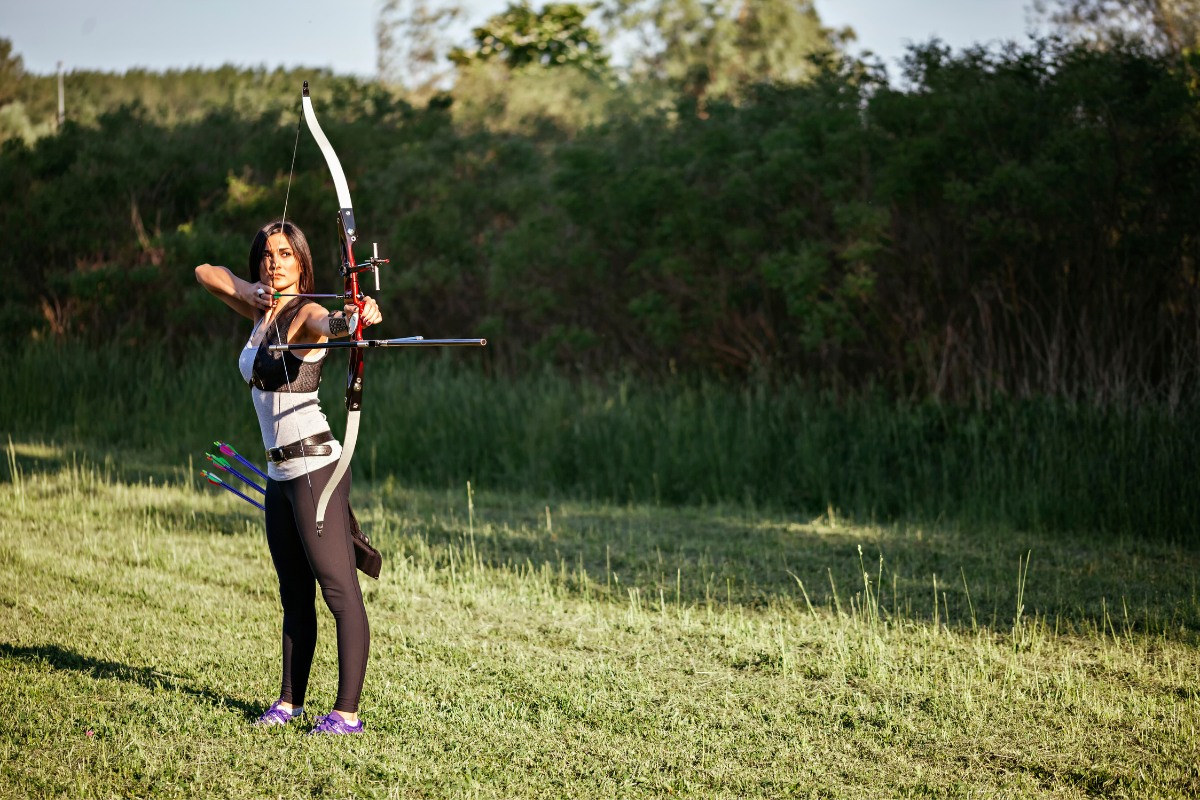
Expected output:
(280, 269)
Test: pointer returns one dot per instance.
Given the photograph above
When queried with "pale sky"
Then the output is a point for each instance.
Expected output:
(117, 35)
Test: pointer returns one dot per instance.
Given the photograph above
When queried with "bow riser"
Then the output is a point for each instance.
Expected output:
(347, 232)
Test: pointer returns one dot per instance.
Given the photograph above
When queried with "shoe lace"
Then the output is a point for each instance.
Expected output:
(330, 724)
(275, 714)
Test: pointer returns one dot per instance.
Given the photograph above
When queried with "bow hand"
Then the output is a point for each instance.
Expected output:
(369, 312)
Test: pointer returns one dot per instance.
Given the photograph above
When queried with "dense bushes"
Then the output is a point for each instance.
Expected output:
(1015, 222)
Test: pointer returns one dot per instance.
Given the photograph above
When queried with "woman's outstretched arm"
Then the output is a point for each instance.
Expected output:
(242, 296)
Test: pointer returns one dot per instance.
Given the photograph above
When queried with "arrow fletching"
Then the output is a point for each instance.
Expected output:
(227, 449)
(213, 479)
(225, 465)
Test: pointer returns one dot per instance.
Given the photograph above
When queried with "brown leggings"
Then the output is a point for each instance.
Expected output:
(302, 561)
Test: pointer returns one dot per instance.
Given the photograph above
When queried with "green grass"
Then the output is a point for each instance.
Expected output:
(530, 647)
(436, 419)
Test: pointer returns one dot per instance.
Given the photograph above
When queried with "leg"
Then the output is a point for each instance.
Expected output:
(297, 593)
(331, 558)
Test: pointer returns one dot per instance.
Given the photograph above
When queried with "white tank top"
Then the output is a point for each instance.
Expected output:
(287, 417)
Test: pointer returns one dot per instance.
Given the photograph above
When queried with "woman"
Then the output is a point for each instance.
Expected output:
(302, 454)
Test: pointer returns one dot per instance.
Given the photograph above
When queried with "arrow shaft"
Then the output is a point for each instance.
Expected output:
(227, 468)
(358, 345)
(213, 479)
(228, 450)
(317, 296)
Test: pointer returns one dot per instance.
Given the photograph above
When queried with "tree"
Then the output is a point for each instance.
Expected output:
(722, 47)
(412, 40)
(1170, 26)
(520, 37)
(12, 69)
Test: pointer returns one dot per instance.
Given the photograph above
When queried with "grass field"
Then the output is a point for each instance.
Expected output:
(530, 649)
(1044, 465)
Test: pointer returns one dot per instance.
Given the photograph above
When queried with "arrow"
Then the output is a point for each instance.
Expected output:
(213, 479)
(227, 449)
(223, 464)
(407, 341)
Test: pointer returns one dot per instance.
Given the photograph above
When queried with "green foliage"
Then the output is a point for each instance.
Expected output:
(722, 48)
(538, 103)
(12, 70)
(174, 196)
(520, 37)
(1172, 26)
(1055, 184)
(1005, 223)
(188, 96)
(15, 122)
(411, 40)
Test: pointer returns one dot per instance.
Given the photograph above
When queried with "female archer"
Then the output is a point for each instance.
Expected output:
(303, 455)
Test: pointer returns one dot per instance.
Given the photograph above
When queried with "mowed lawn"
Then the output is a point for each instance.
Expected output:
(534, 647)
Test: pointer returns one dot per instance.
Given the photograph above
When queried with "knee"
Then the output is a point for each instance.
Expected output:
(343, 601)
(298, 601)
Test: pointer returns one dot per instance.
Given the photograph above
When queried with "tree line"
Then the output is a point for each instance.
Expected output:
(1013, 222)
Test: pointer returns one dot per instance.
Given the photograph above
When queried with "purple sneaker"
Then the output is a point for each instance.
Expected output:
(277, 715)
(333, 722)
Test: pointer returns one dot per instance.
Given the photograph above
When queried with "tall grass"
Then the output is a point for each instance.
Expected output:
(586, 650)
(438, 419)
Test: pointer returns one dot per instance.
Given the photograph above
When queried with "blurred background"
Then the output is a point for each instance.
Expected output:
(366, 38)
(908, 258)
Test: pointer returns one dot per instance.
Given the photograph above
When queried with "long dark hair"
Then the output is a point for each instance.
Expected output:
(299, 244)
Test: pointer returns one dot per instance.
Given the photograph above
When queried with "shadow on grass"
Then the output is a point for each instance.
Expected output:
(132, 469)
(962, 576)
(66, 660)
(114, 463)
(735, 557)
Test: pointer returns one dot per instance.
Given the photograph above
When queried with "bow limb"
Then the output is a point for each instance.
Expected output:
(348, 233)
(335, 166)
